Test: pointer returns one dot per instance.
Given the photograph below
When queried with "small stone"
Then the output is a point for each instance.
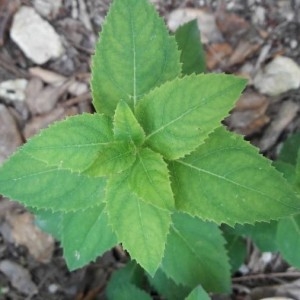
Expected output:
(280, 75)
(47, 8)
(13, 90)
(35, 36)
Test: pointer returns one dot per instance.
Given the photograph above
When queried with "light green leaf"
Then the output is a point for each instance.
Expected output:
(86, 235)
(226, 180)
(128, 291)
(142, 228)
(112, 158)
(126, 126)
(167, 287)
(48, 221)
(288, 239)
(178, 116)
(198, 294)
(195, 254)
(192, 52)
(149, 179)
(36, 184)
(134, 54)
(73, 143)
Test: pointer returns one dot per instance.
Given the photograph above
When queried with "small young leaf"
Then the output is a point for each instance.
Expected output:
(198, 294)
(73, 143)
(237, 251)
(288, 239)
(128, 291)
(112, 158)
(126, 126)
(142, 228)
(262, 234)
(149, 179)
(134, 54)
(167, 287)
(290, 149)
(192, 52)
(178, 116)
(131, 273)
(86, 235)
(195, 254)
(36, 184)
(226, 180)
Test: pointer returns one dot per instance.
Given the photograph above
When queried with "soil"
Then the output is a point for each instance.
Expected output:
(274, 29)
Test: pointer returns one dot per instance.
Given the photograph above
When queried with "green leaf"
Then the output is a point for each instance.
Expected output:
(86, 235)
(226, 180)
(73, 143)
(288, 239)
(263, 234)
(195, 254)
(134, 54)
(149, 179)
(290, 149)
(48, 221)
(112, 158)
(128, 291)
(126, 126)
(237, 251)
(167, 287)
(142, 228)
(192, 52)
(131, 273)
(178, 116)
(198, 294)
(36, 184)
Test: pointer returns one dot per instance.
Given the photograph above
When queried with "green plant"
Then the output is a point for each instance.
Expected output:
(153, 168)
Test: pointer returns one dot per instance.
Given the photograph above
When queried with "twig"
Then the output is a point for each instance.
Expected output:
(266, 276)
(84, 97)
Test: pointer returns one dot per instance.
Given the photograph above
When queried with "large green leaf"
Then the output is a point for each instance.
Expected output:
(126, 126)
(86, 235)
(112, 158)
(134, 54)
(192, 52)
(288, 239)
(149, 179)
(178, 116)
(227, 181)
(141, 227)
(195, 254)
(72, 144)
(36, 184)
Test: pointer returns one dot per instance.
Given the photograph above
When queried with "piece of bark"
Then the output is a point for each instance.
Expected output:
(10, 137)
